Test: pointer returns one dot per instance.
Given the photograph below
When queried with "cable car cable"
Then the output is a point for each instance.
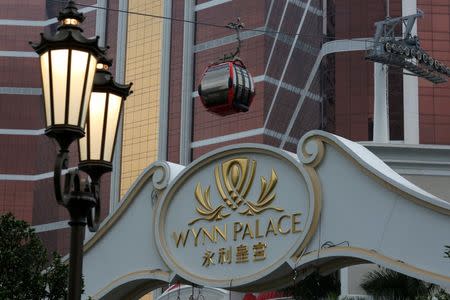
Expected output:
(203, 23)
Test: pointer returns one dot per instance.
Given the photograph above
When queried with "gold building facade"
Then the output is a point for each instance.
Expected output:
(143, 64)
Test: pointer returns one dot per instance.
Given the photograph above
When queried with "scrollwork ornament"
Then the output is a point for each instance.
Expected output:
(61, 163)
(79, 196)
(154, 197)
(161, 175)
(311, 150)
(93, 218)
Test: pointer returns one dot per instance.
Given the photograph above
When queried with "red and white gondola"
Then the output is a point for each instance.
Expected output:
(226, 88)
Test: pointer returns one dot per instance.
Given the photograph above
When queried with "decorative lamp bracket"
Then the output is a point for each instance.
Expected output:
(81, 197)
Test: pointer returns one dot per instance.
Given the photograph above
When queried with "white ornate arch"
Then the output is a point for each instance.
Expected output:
(368, 213)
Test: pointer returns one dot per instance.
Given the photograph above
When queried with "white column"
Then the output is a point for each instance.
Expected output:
(114, 194)
(344, 282)
(380, 103)
(410, 89)
(164, 89)
(100, 22)
(187, 83)
(324, 16)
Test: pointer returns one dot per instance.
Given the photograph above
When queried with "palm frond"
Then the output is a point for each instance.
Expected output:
(388, 284)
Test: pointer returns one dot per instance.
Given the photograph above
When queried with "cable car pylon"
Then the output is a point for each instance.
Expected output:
(226, 87)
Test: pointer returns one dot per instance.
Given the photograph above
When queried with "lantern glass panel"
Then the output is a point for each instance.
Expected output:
(89, 83)
(96, 121)
(114, 104)
(83, 146)
(45, 73)
(59, 62)
(78, 68)
(70, 22)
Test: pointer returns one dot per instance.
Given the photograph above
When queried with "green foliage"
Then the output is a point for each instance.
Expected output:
(390, 285)
(442, 295)
(56, 278)
(26, 272)
(316, 287)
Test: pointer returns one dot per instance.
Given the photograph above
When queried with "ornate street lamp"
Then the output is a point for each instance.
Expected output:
(96, 148)
(68, 62)
(68, 67)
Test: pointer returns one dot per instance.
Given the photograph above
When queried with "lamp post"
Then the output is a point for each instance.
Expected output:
(73, 73)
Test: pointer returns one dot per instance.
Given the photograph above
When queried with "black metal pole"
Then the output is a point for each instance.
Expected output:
(79, 198)
(76, 260)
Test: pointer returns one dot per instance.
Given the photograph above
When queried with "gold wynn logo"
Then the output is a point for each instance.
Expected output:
(234, 179)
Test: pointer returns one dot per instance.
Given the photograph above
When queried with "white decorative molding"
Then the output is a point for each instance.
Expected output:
(43, 23)
(51, 226)
(210, 4)
(24, 54)
(133, 218)
(8, 90)
(22, 131)
(240, 135)
(228, 137)
(407, 159)
(36, 177)
(229, 39)
(311, 9)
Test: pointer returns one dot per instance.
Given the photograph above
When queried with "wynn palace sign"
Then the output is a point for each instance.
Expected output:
(236, 216)
(244, 217)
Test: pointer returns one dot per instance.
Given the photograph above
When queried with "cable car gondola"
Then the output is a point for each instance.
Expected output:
(227, 88)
